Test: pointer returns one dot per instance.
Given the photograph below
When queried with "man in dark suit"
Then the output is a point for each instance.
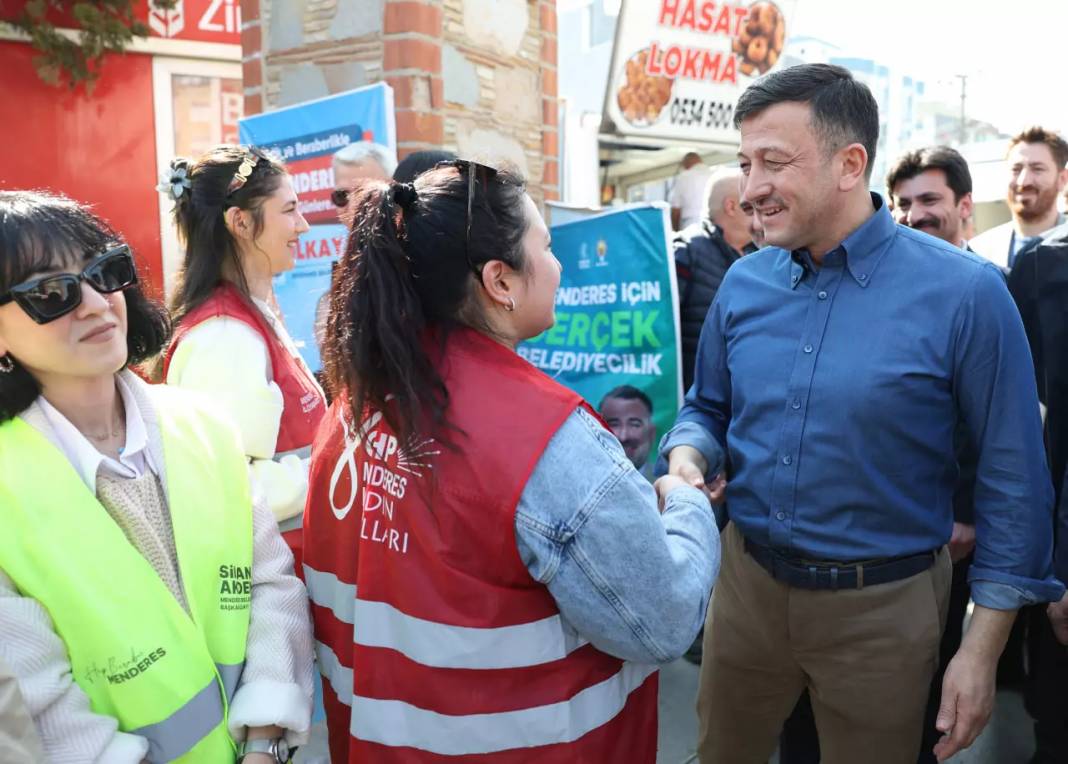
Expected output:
(1039, 284)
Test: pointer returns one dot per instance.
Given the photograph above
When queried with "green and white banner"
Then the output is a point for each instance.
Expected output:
(616, 322)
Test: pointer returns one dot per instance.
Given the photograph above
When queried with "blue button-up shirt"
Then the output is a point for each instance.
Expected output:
(835, 391)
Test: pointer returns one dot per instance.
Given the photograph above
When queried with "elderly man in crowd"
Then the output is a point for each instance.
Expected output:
(362, 159)
(703, 253)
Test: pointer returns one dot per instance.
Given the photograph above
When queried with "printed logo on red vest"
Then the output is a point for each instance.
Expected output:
(379, 480)
(309, 401)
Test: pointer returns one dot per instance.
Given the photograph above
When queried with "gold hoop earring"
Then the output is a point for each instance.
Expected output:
(510, 307)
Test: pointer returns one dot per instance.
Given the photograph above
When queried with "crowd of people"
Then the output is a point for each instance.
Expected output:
(480, 565)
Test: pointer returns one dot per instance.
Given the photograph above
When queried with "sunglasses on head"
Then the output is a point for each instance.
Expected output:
(47, 298)
(475, 172)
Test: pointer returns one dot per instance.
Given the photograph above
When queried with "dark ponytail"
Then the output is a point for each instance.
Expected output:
(202, 190)
(405, 281)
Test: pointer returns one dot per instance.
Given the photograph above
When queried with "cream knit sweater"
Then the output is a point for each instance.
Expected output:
(275, 688)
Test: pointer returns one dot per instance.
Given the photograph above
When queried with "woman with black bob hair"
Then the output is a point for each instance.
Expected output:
(148, 607)
(238, 216)
(489, 574)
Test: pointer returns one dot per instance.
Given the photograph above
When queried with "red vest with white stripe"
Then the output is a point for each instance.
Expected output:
(302, 400)
(416, 581)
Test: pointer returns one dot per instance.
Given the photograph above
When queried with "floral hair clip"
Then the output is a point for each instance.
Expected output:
(244, 170)
(175, 182)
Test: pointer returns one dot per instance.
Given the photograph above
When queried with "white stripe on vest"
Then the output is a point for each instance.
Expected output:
(399, 724)
(325, 590)
(440, 645)
(339, 676)
(378, 624)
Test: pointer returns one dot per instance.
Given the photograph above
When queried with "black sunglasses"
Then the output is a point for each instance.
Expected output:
(47, 298)
(479, 172)
(339, 197)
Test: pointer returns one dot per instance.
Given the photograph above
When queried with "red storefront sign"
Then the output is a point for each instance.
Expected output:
(191, 20)
(195, 20)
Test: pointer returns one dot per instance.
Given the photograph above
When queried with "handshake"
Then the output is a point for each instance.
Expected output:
(687, 467)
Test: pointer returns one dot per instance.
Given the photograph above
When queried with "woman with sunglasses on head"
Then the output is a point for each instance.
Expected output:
(237, 215)
(148, 606)
(490, 576)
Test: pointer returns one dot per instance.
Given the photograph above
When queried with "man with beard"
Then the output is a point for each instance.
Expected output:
(1039, 284)
(831, 372)
(1036, 159)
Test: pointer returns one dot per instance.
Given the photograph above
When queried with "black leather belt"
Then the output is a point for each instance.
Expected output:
(808, 574)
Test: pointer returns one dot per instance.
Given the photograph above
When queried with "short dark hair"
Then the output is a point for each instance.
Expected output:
(627, 393)
(37, 229)
(416, 163)
(949, 161)
(843, 109)
(1057, 145)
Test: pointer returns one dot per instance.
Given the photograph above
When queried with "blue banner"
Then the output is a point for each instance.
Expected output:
(306, 136)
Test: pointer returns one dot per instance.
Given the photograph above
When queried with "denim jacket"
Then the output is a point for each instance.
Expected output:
(633, 581)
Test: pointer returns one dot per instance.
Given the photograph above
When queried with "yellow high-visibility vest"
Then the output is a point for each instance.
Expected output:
(133, 649)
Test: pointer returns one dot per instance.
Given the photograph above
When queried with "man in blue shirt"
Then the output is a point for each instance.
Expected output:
(831, 372)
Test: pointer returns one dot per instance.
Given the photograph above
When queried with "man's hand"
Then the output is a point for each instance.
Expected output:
(962, 542)
(1058, 617)
(967, 703)
(969, 684)
(687, 463)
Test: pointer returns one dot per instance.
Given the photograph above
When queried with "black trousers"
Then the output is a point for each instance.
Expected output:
(1046, 690)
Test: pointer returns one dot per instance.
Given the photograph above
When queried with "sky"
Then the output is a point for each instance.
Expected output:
(1014, 54)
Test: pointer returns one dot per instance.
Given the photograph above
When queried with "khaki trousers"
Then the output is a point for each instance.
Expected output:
(866, 655)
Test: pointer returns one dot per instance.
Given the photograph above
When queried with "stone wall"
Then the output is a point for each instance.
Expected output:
(474, 76)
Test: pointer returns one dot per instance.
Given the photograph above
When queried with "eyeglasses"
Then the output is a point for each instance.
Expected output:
(475, 171)
(339, 197)
(50, 297)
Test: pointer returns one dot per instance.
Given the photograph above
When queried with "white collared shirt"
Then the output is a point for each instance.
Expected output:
(689, 194)
(134, 458)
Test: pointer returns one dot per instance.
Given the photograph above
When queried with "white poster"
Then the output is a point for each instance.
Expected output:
(679, 66)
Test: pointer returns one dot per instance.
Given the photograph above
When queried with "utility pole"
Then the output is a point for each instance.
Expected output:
(963, 98)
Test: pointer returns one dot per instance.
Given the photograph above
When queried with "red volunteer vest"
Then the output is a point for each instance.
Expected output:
(416, 581)
(303, 403)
